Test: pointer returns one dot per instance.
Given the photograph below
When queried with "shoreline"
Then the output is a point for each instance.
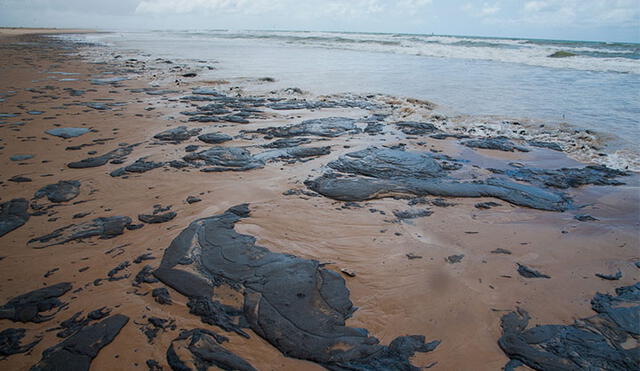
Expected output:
(449, 301)
(583, 143)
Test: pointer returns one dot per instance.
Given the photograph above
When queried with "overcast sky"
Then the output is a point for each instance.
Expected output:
(608, 20)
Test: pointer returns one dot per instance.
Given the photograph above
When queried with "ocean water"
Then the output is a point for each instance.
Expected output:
(590, 85)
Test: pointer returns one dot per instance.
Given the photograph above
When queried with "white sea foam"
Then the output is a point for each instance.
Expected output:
(531, 52)
(625, 58)
(590, 56)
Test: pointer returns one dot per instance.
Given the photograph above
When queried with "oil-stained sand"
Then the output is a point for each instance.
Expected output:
(449, 274)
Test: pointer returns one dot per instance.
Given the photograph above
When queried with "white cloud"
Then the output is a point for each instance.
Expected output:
(412, 7)
(535, 6)
(348, 9)
(576, 19)
(207, 6)
(113, 7)
(336, 8)
(484, 10)
(489, 10)
(619, 13)
(414, 3)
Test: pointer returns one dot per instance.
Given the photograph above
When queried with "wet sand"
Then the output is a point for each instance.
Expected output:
(460, 304)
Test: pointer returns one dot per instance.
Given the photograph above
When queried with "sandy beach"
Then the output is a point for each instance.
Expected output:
(423, 230)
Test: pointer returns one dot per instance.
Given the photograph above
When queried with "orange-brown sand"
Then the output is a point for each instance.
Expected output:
(459, 304)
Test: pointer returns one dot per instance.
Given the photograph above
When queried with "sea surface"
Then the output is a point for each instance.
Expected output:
(590, 85)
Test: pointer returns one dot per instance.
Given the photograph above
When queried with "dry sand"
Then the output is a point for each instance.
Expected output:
(459, 304)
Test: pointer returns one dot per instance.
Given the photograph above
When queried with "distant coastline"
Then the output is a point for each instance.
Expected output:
(17, 31)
